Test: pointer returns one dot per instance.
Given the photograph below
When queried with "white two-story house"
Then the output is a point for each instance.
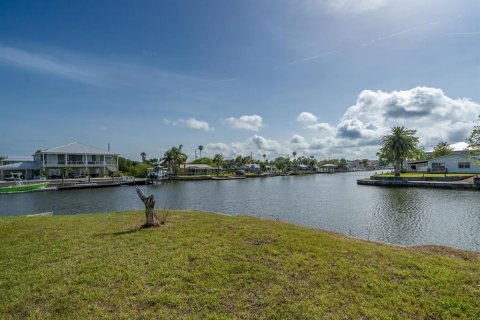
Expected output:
(77, 160)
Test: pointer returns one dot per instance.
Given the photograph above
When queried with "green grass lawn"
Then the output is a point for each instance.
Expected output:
(426, 175)
(207, 266)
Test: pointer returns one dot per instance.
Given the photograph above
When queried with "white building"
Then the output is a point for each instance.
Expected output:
(454, 163)
(79, 158)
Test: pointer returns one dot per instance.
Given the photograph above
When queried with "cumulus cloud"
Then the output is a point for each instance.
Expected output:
(307, 118)
(256, 145)
(247, 122)
(298, 142)
(311, 121)
(190, 123)
(434, 115)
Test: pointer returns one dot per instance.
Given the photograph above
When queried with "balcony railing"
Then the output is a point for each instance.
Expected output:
(89, 163)
(75, 162)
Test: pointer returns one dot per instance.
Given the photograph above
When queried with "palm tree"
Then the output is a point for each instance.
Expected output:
(294, 153)
(218, 159)
(144, 156)
(397, 145)
(200, 148)
(442, 149)
(173, 158)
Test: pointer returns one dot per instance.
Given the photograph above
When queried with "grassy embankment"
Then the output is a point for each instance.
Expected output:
(207, 266)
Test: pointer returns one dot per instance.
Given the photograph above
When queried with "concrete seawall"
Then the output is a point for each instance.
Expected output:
(466, 184)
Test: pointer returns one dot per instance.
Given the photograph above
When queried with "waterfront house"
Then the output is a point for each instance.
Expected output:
(252, 168)
(329, 167)
(23, 169)
(77, 158)
(15, 159)
(454, 163)
(194, 169)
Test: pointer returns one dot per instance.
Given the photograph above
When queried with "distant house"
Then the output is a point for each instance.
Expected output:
(80, 158)
(329, 167)
(194, 169)
(417, 165)
(253, 168)
(26, 169)
(454, 163)
(15, 159)
(457, 148)
(362, 165)
(302, 167)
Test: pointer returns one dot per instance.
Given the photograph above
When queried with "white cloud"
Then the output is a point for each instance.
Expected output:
(354, 6)
(298, 142)
(219, 147)
(246, 122)
(190, 123)
(193, 123)
(307, 118)
(256, 145)
(435, 116)
(98, 72)
(310, 121)
(47, 64)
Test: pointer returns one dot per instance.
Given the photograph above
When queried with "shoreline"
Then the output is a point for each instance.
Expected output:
(469, 183)
(440, 247)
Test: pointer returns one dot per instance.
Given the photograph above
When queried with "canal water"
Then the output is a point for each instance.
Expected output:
(407, 216)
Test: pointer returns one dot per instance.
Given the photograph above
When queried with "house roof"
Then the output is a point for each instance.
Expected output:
(77, 148)
(18, 158)
(21, 166)
(197, 166)
(417, 161)
(463, 156)
(459, 146)
(330, 165)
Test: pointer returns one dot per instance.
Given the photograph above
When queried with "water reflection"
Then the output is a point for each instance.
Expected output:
(399, 214)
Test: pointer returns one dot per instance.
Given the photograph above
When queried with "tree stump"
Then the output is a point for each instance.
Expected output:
(151, 217)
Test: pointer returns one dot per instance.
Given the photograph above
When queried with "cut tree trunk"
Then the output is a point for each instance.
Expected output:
(151, 217)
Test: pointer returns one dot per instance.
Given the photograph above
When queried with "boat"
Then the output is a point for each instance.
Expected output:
(21, 187)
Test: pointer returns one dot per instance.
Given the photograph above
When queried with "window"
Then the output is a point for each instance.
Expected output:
(464, 165)
(438, 167)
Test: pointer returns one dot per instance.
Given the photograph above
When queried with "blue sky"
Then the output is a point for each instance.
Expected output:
(326, 78)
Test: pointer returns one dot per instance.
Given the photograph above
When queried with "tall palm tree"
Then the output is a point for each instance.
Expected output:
(200, 148)
(173, 158)
(218, 159)
(294, 153)
(144, 156)
(397, 145)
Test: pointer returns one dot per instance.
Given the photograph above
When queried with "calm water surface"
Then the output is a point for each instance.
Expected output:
(329, 201)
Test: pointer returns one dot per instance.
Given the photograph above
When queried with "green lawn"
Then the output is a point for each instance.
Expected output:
(207, 266)
(426, 175)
